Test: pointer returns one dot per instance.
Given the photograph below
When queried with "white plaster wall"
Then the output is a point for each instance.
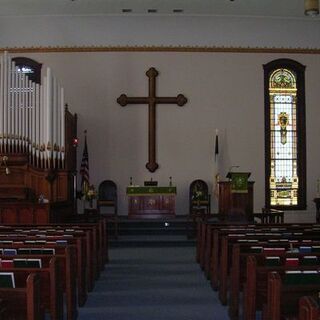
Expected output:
(224, 91)
(158, 30)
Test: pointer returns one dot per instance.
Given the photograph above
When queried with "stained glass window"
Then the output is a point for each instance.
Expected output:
(285, 154)
(29, 67)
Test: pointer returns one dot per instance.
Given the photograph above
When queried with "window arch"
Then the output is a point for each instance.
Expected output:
(29, 67)
(285, 138)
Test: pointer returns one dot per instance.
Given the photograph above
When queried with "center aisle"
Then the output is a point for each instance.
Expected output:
(153, 283)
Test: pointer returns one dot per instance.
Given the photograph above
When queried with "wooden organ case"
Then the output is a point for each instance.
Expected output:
(37, 152)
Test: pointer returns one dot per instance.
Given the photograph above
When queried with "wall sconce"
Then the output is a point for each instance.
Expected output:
(311, 8)
(4, 162)
(75, 142)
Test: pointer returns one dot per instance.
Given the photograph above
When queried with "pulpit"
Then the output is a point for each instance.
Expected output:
(236, 197)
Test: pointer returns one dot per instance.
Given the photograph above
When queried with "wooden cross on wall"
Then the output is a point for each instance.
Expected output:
(152, 100)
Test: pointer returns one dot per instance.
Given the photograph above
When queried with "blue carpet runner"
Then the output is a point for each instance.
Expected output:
(153, 283)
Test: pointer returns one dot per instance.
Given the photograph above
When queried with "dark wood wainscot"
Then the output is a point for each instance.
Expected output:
(151, 202)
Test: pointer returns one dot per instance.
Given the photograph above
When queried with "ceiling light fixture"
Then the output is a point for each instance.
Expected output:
(311, 7)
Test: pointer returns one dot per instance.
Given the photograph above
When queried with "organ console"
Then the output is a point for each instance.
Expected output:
(37, 154)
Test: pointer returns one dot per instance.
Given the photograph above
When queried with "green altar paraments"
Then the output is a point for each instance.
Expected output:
(239, 182)
(139, 191)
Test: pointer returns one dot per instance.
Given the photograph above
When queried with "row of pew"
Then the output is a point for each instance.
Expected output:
(270, 271)
(47, 271)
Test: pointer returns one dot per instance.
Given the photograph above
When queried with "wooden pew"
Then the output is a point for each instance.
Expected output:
(256, 287)
(207, 252)
(240, 253)
(283, 299)
(76, 243)
(81, 238)
(66, 263)
(51, 298)
(204, 228)
(226, 252)
(98, 234)
(68, 257)
(309, 308)
(100, 223)
(218, 233)
(23, 302)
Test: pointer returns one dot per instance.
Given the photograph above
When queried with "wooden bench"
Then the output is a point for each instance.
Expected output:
(283, 298)
(58, 244)
(23, 302)
(66, 262)
(205, 238)
(309, 308)
(212, 254)
(71, 263)
(83, 239)
(99, 236)
(226, 252)
(51, 298)
(239, 273)
(256, 287)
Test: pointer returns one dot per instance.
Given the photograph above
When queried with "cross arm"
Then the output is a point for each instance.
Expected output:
(180, 100)
(123, 100)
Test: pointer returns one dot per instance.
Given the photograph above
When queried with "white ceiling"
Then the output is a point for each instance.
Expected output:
(265, 8)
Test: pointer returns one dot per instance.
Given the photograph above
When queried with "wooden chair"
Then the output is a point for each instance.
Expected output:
(107, 197)
(199, 204)
(199, 197)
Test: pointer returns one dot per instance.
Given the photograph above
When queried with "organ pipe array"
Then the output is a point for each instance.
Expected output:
(32, 116)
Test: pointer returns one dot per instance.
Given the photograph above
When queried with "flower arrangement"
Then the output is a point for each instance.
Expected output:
(90, 194)
(198, 195)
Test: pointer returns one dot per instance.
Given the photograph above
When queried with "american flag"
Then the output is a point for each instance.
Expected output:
(84, 168)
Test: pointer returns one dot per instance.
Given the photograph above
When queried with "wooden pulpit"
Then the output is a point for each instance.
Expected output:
(236, 197)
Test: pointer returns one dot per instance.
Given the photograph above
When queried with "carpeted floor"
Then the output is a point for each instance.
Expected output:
(152, 283)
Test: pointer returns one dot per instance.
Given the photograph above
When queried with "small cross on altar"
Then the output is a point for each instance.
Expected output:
(152, 100)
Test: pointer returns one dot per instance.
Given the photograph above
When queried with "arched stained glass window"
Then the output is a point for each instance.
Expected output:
(285, 135)
(29, 67)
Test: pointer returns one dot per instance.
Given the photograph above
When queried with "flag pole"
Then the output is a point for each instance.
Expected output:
(84, 170)
(216, 160)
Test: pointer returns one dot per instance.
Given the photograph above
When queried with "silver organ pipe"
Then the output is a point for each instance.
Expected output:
(32, 116)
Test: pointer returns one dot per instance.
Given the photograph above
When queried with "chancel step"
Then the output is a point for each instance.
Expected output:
(152, 232)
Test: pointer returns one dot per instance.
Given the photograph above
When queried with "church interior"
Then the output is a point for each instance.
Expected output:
(156, 154)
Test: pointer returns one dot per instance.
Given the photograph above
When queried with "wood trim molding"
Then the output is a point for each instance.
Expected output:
(161, 49)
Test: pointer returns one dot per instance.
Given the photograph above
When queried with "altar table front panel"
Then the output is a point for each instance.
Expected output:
(151, 202)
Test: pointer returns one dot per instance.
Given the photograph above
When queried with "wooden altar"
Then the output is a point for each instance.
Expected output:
(151, 202)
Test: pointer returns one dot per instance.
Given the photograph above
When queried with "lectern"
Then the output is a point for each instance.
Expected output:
(236, 197)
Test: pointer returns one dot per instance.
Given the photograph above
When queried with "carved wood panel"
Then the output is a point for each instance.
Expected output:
(151, 206)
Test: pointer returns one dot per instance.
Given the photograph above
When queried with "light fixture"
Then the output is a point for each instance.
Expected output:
(311, 7)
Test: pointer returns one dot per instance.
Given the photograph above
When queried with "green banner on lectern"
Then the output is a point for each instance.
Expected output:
(239, 182)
